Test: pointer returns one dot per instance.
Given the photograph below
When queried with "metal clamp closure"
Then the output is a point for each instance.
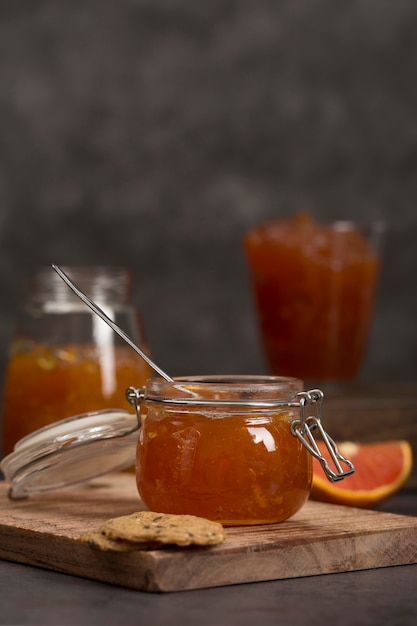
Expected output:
(135, 397)
(303, 429)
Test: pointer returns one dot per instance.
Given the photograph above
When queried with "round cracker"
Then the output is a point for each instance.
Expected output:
(164, 528)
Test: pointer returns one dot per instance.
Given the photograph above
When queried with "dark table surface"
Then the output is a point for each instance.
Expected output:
(29, 595)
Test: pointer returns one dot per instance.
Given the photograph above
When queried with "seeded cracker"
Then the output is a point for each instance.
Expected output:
(149, 530)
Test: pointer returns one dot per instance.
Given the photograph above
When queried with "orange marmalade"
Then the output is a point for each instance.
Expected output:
(205, 449)
(45, 384)
(314, 288)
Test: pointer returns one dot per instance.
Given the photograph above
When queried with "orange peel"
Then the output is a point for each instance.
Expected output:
(381, 469)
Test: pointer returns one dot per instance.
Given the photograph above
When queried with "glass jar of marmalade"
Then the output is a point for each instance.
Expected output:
(64, 360)
(314, 288)
(231, 449)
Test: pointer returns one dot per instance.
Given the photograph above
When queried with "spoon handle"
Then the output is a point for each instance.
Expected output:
(96, 309)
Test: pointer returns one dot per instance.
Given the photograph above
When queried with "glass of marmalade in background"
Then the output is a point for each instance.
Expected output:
(314, 287)
(222, 448)
(64, 360)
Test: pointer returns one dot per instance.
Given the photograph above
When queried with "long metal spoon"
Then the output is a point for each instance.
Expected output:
(110, 322)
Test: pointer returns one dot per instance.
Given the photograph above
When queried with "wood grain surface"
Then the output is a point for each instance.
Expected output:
(44, 531)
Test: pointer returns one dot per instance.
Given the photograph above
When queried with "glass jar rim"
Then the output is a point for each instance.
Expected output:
(104, 283)
(230, 390)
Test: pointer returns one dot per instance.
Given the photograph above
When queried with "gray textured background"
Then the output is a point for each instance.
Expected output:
(155, 133)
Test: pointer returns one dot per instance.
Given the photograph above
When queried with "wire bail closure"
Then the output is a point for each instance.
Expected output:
(135, 397)
(302, 429)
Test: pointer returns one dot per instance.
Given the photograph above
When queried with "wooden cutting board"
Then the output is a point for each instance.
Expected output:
(44, 531)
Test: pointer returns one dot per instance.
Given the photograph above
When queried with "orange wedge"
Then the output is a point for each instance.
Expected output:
(381, 469)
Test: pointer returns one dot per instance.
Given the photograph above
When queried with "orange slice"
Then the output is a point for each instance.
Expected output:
(381, 469)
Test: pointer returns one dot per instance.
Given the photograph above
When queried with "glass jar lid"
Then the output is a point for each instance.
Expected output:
(71, 451)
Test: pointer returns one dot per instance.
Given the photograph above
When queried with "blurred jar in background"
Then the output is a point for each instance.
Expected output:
(314, 286)
(64, 360)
